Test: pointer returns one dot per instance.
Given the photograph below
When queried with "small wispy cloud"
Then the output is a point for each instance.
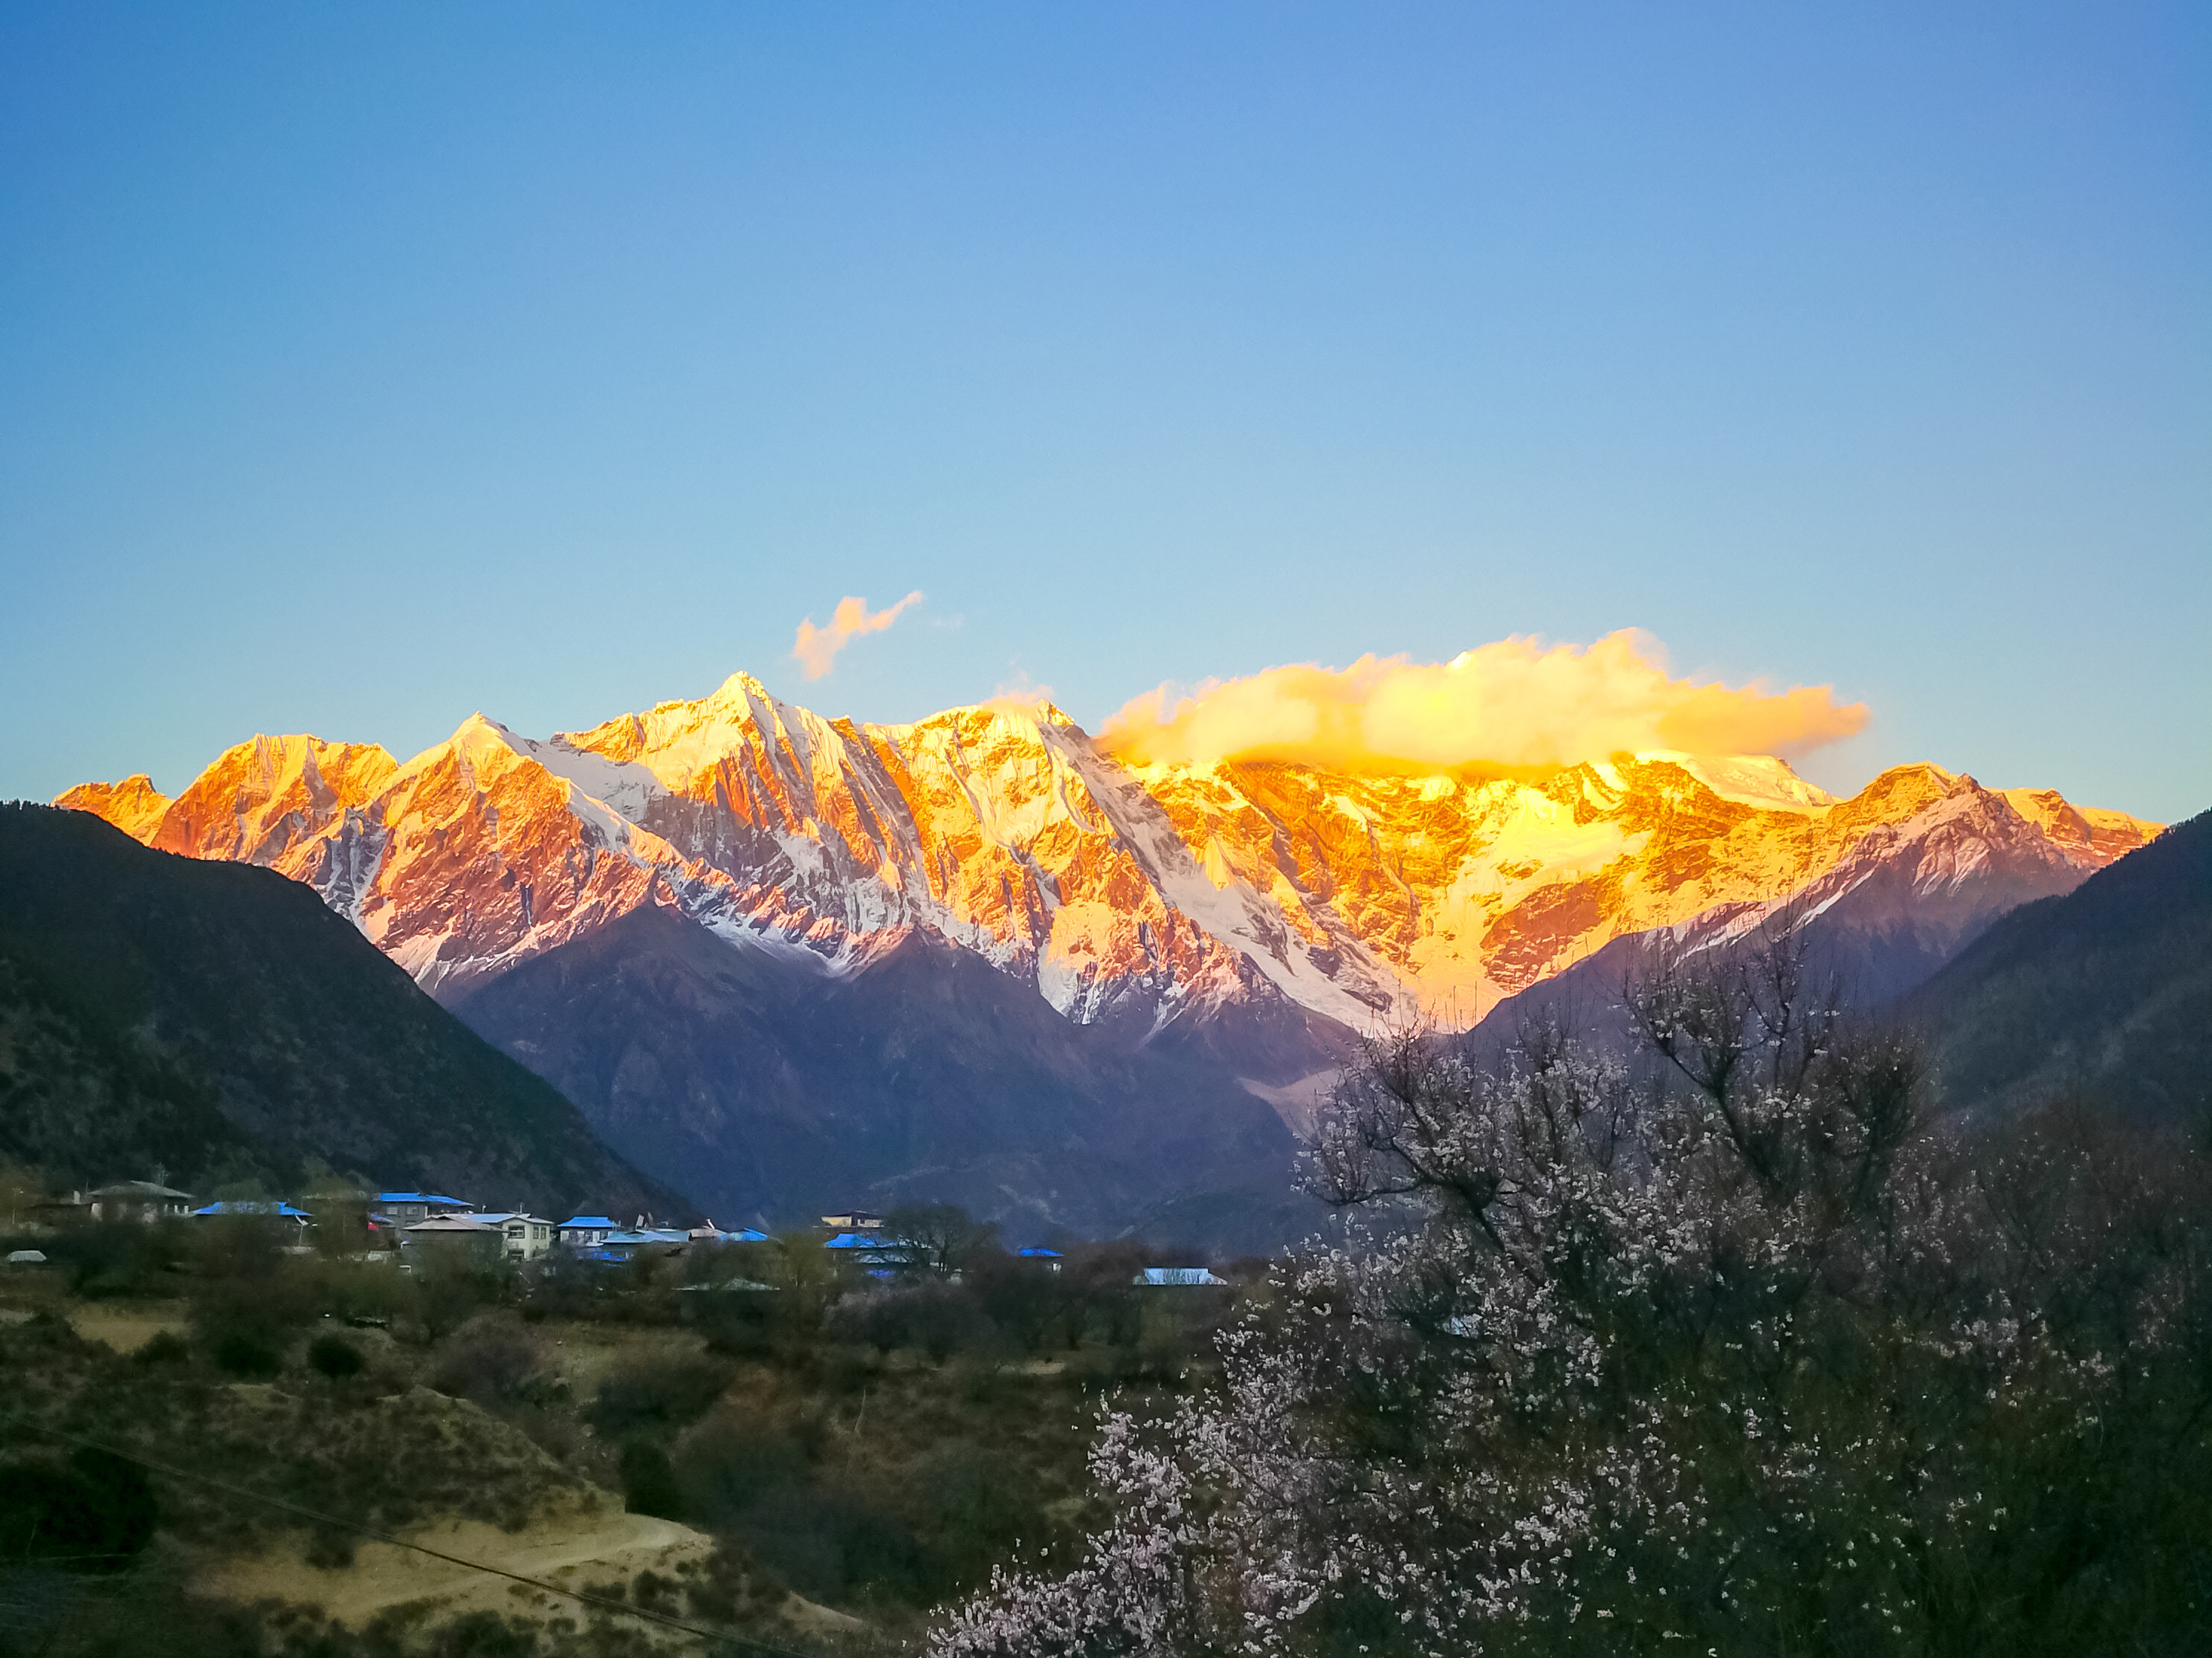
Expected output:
(1019, 694)
(815, 648)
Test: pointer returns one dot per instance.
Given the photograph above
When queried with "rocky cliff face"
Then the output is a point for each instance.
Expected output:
(1158, 899)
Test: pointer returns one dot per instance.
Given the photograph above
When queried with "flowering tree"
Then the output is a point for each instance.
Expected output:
(1731, 1348)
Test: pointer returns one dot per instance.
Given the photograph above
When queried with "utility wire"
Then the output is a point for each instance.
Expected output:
(371, 1532)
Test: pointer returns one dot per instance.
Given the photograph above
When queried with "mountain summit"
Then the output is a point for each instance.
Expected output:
(1154, 892)
(1253, 915)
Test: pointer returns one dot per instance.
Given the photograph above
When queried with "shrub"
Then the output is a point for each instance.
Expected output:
(735, 1460)
(938, 1318)
(492, 1363)
(164, 1347)
(665, 1394)
(92, 1515)
(120, 1258)
(979, 1506)
(335, 1356)
(246, 1320)
(246, 1352)
(650, 1483)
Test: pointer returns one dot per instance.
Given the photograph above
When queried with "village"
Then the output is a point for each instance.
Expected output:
(814, 1436)
(406, 1228)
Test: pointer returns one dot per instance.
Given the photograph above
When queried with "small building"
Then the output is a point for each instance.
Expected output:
(854, 1220)
(629, 1243)
(870, 1250)
(528, 1237)
(584, 1231)
(268, 1209)
(464, 1237)
(73, 1210)
(1047, 1258)
(708, 1232)
(140, 1200)
(408, 1207)
(1179, 1277)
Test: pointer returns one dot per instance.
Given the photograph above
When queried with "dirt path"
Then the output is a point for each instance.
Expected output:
(579, 1552)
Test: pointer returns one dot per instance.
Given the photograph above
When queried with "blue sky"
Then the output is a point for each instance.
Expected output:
(363, 367)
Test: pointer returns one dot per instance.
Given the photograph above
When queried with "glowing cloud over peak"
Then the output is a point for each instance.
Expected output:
(815, 648)
(1514, 702)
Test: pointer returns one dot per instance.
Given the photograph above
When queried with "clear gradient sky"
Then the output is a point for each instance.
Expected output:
(361, 367)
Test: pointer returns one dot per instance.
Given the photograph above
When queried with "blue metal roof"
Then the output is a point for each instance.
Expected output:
(1038, 1255)
(254, 1206)
(596, 1223)
(422, 1197)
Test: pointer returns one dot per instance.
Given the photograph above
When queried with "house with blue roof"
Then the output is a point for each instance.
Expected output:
(256, 1209)
(629, 1243)
(584, 1231)
(408, 1207)
(870, 1250)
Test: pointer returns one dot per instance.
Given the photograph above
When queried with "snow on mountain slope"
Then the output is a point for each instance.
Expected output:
(1148, 895)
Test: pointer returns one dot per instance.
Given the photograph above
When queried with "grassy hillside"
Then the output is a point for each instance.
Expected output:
(217, 1022)
(2107, 990)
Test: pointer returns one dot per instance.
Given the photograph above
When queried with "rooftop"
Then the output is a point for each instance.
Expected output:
(138, 1188)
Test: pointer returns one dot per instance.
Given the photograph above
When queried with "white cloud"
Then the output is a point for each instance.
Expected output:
(815, 648)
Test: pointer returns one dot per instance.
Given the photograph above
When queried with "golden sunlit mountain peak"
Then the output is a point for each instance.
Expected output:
(1121, 884)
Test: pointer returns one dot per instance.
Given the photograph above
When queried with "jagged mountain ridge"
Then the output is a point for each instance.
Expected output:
(1904, 900)
(1161, 898)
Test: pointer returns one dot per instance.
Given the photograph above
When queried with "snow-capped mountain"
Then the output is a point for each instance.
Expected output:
(781, 961)
(1142, 895)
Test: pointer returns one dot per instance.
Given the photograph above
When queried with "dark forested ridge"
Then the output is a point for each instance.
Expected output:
(217, 1021)
(928, 1074)
(2107, 991)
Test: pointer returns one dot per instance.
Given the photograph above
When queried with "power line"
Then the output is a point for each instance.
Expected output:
(372, 1533)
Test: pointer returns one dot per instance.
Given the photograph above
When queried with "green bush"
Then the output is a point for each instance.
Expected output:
(165, 1347)
(658, 1394)
(737, 1458)
(95, 1513)
(121, 1258)
(649, 1482)
(334, 1357)
(492, 1363)
(248, 1353)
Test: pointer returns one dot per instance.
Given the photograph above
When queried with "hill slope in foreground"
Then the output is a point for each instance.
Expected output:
(2105, 991)
(219, 1022)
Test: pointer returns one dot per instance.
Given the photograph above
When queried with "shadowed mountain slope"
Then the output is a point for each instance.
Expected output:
(775, 1089)
(2105, 991)
(218, 1021)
